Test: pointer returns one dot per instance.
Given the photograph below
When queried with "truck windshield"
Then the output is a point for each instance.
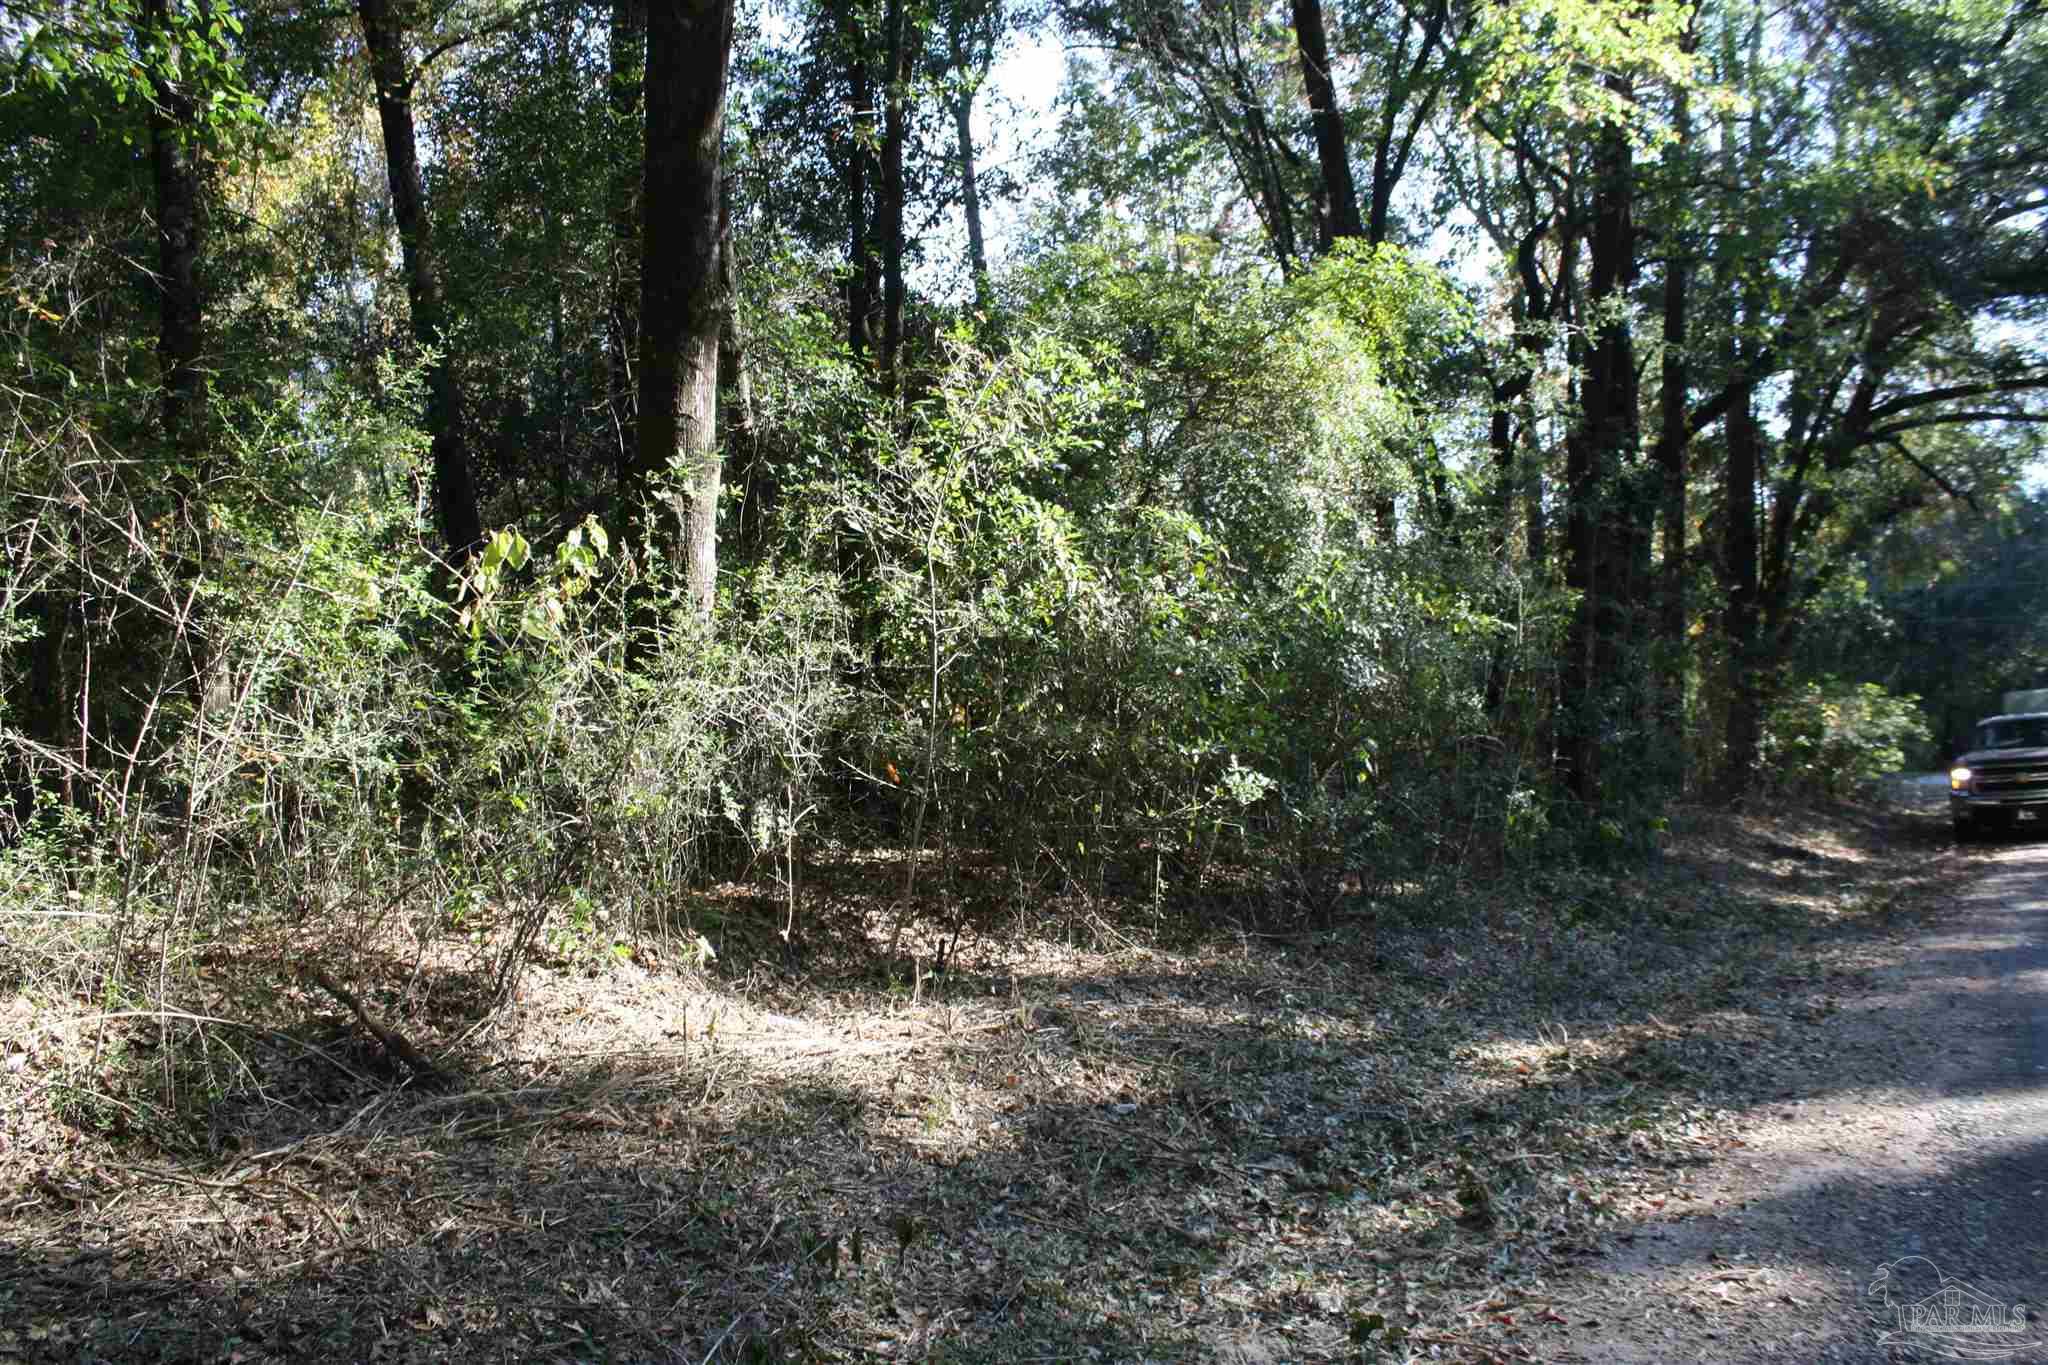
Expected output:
(2027, 732)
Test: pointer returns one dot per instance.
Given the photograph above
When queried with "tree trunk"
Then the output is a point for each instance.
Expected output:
(1595, 686)
(558, 319)
(732, 344)
(895, 127)
(757, 490)
(1333, 156)
(1557, 307)
(970, 190)
(1739, 575)
(558, 346)
(455, 500)
(1530, 306)
(863, 276)
(1265, 175)
(1745, 559)
(1614, 410)
(1341, 218)
(622, 324)
(174, 177)
(175, 182)
(902, 52)
(1392, 146)
(1578, 722)
(1500, 439)
(1671, 451)
(689, 44)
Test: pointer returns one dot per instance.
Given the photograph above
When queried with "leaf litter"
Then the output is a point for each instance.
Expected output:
(1392, 1138)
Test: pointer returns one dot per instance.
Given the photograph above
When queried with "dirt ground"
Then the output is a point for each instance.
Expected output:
(1915, 1138)
(1681, 1108)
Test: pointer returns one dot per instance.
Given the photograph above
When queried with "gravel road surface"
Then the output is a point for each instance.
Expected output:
(1912, 1162)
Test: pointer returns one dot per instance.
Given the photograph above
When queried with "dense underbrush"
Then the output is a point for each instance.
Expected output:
(272, 717)
(974, 674)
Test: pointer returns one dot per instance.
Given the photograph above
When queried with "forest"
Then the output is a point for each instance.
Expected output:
(502, 471)
(971, 679)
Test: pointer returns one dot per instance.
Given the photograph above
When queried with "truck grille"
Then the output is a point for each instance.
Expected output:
(2026, 781)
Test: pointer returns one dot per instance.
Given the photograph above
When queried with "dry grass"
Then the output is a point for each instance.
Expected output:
(1384, 1140)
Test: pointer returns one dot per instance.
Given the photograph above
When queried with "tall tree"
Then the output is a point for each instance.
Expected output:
(689, 49)
(1519, 188)
(1670, 458)
(903, 33)
(972, 28)
(1578, 98)
(1602, 512)
(1743, 729)
(174, 175)
(863, 280)
(627, 35)
(1217, 59)
(1414, 64)
(1340, 194)
(1890, 165)
(1213, 63)
(1339, 198)
(455, 496)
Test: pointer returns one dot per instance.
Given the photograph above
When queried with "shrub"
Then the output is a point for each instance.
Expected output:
(1109, 694)
(1825, 738)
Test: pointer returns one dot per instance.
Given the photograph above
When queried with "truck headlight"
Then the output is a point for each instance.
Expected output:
(1958, 779)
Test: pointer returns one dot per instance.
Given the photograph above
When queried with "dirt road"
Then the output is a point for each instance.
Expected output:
(1918, 1141)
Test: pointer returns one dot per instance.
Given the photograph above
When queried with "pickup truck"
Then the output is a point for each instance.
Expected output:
(2002, 782)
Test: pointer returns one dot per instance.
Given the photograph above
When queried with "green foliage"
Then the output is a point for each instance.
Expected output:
(1566, 59)
(109, 50)
(1268, 411)
(553, 759)
(1119, 651)
(1943, 606)
(1184, 576)
(53, 897)
(601, 762)
(1826, 738)
(521, 223)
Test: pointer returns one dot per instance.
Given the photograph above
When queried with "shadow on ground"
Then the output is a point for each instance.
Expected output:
(1290, 1147)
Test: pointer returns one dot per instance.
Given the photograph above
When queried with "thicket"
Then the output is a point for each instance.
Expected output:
(1219, 553)
(1016, 624)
